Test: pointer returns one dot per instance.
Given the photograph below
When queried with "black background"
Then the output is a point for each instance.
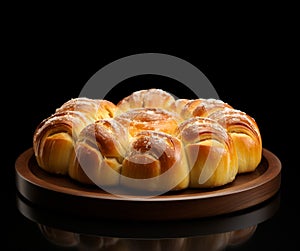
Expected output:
(250, 66)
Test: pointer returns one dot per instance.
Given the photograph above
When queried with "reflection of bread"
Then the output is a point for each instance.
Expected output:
(68, 239)
(211, 242)
(240, 236)
(195, 143)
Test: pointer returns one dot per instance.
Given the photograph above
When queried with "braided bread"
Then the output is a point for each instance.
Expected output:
(148, 136)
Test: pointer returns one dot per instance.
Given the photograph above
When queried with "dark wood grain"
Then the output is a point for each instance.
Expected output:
(65, 195)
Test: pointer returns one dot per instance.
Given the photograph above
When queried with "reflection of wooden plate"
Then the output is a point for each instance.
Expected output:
(240, 220)
(63, 194)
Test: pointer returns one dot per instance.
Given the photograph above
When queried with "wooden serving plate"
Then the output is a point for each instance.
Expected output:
(61, 194)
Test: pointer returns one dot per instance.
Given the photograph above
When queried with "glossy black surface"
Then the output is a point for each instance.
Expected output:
(214, 233)
(249, 73)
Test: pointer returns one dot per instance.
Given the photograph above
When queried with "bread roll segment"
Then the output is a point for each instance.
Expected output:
(151, 98)
(246, 137)
(199, 107)
(54, 138)
(149, 119)
(210, 152)
(148, 141)
(99, 152)
(155, 161)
